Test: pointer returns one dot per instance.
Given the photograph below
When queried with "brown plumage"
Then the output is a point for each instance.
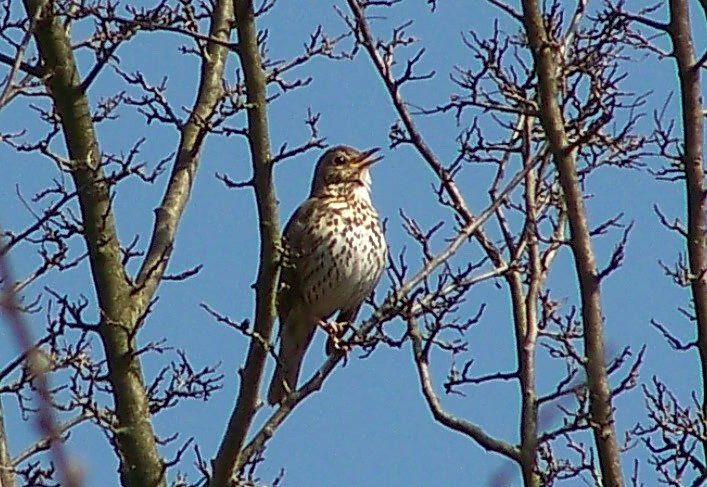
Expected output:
(335, 255)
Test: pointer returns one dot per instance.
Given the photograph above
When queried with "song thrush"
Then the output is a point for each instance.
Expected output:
(335, 254)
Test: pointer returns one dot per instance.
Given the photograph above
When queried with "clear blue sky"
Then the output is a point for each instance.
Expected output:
(369, 425)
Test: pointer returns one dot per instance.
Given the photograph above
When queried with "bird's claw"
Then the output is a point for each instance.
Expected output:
(336, 331)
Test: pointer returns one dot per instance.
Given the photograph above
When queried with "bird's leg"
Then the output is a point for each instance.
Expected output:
(336, 331)
(344, 321)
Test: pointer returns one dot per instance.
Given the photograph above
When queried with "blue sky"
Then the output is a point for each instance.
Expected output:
(369, 425)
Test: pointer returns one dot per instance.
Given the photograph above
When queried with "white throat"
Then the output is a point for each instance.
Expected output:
(363, 191)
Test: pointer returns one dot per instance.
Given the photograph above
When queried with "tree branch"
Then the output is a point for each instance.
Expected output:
(141, 464)
(193, 133)
(37, 365)
(384, 69)
(231, 448)
(564, 158)
(693, 163)
(7, 476)
(457, 424)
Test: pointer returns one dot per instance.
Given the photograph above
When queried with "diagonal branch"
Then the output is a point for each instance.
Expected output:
(169, 213)
(18, 61)
(45, 443)
(46, 418)
(368, 41)
(23, 66)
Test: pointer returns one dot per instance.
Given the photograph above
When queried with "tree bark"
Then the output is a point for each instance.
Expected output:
(123, 305)
(589, 283)
(248, 401)
(7, 476)
(693, 160)
(141, 463)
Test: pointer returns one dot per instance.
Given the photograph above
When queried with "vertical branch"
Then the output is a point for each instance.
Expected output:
(266, 285)
(7, 476)
(526, 345)
(141, 463)
(589, 282)
(525, 352)
(693, 160)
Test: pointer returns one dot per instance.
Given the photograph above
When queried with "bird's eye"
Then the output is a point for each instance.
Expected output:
(340, 159)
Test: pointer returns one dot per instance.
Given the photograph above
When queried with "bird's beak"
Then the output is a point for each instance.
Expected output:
(367, 158)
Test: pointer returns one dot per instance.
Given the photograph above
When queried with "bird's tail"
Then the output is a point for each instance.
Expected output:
(296, 335)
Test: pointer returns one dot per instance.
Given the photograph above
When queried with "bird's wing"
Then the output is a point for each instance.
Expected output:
(295, 244)
(296, 325)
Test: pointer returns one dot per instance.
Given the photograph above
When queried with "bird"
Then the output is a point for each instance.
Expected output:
(334, 256)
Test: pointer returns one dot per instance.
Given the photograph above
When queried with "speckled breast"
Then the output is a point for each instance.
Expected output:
(347, 257)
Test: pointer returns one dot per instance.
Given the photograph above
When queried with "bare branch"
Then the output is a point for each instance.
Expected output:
(230, 452)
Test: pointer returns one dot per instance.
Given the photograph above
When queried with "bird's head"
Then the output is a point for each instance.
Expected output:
(343, 169)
